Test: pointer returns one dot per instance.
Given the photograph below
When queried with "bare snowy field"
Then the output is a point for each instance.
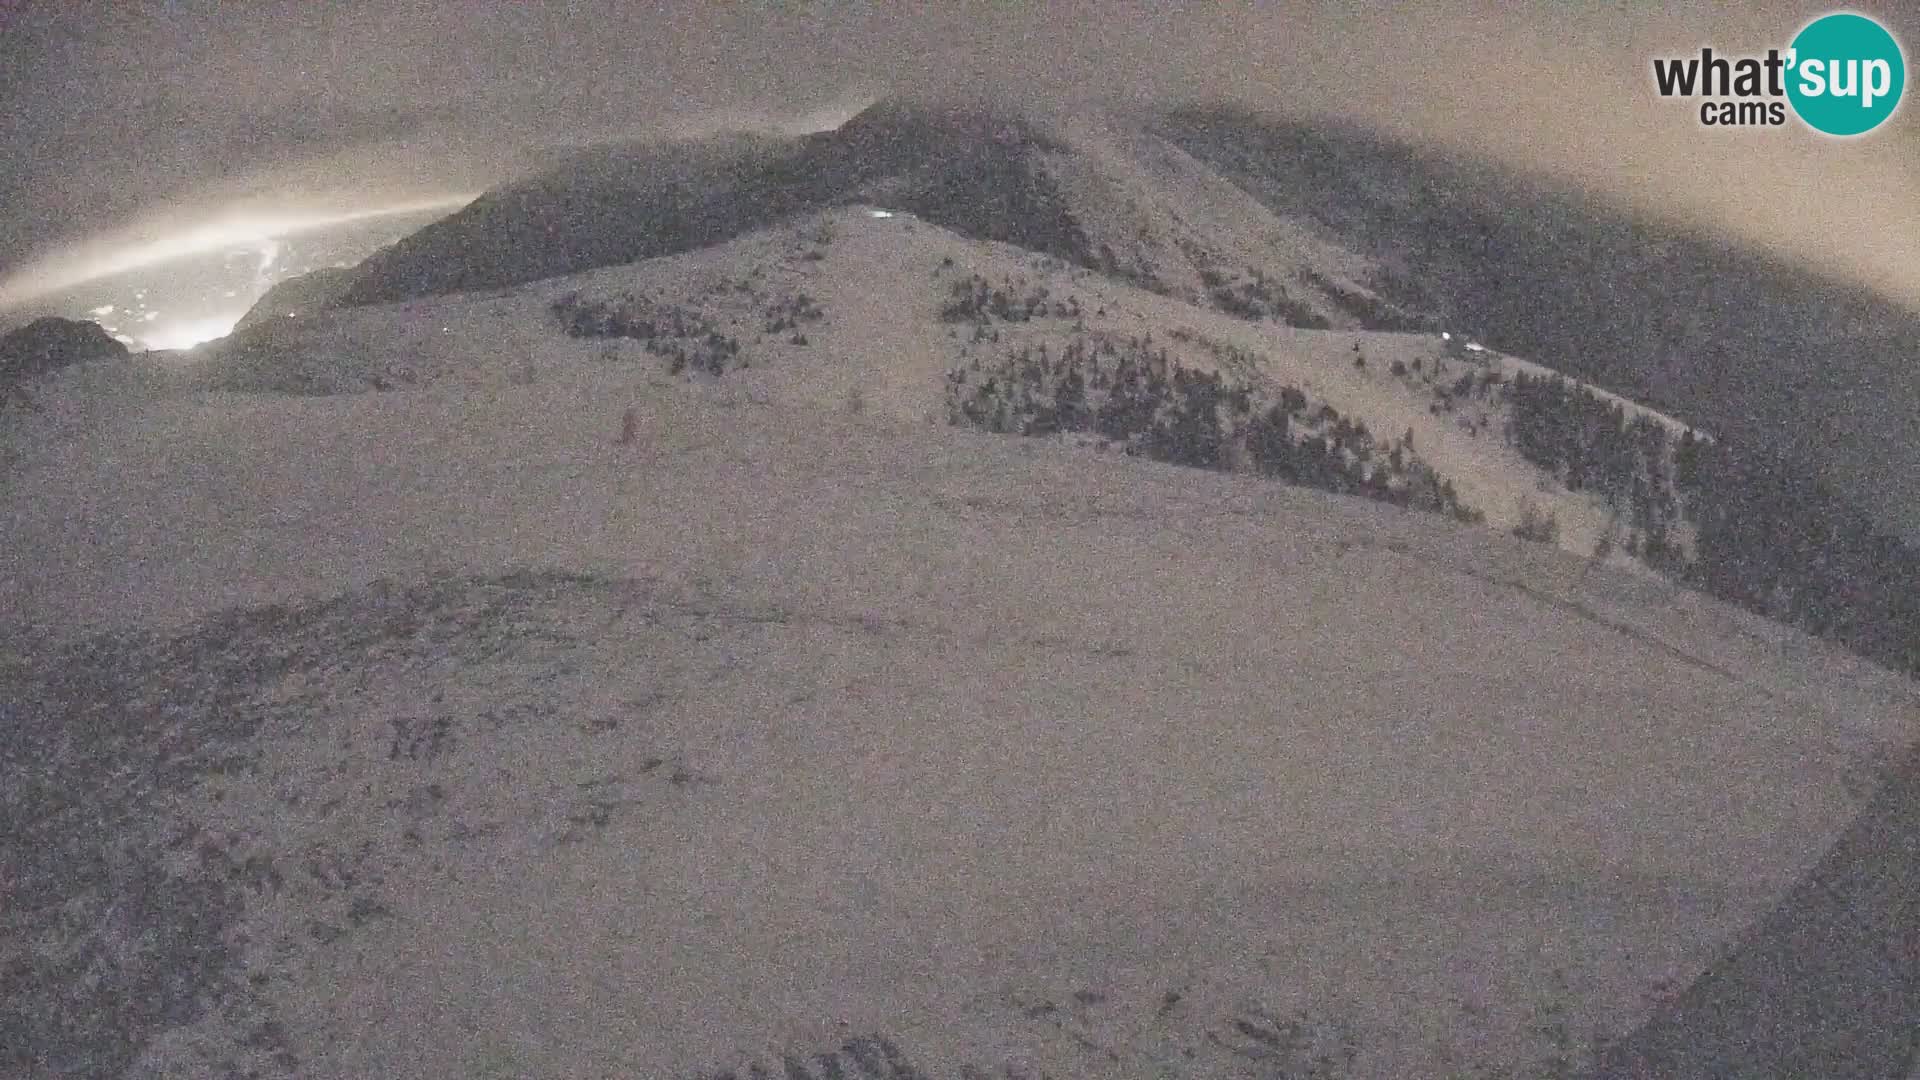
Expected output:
(435, 734)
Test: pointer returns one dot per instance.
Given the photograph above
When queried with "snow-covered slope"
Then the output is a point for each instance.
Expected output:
(634, 670)
(872, 290)
(711, 719)
(1297, 222)
(786, 730)
(1151, 211)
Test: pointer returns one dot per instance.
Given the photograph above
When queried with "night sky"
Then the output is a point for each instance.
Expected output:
(128, 121)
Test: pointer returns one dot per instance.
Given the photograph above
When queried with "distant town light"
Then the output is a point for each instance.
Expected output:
(186, 333)
(880, 213)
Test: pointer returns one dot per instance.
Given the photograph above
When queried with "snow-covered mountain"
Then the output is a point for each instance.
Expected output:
(973, 593)
(847, 302)
(479, 725)
(1311, 224)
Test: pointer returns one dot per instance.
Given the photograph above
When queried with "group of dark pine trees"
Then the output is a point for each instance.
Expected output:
(1767, 535)
(683, 338)
(1589, 443)
(1136, 396)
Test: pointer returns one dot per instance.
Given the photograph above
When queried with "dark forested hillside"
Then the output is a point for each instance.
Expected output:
(1739, 343)
(1765, 533)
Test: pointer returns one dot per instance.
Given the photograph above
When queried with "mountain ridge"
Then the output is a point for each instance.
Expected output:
(1310, 223)
(986, 172)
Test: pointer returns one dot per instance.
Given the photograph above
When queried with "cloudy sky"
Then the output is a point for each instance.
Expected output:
(140, 115)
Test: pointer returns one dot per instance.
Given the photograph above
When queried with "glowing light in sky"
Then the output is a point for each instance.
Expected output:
(103, 309)
(187, 333)
(234, 230)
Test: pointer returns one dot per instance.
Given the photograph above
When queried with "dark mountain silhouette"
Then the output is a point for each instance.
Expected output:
(969, 170)
(51, 343)
(975, 170)
(1091, 190)
(604, 207)
(303, 295)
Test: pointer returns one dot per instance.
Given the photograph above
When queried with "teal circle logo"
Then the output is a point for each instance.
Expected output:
(1846, 74)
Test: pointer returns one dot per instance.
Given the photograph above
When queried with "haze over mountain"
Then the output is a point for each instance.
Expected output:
(184, 106)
